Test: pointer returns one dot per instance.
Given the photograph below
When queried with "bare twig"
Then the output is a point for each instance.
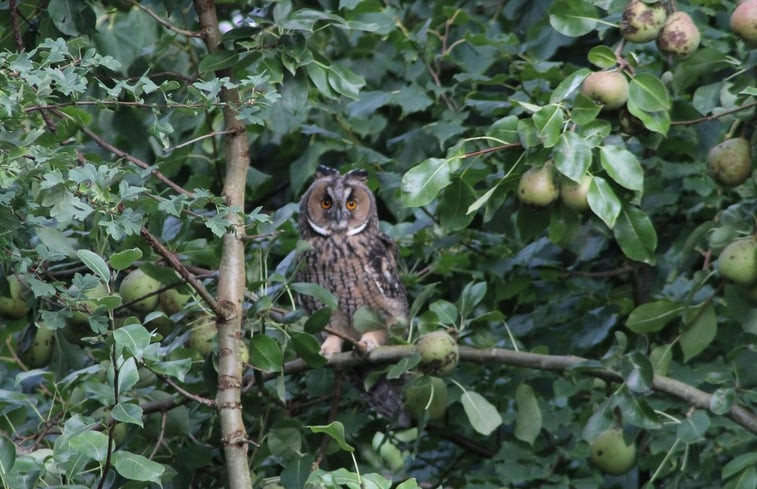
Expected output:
(15, 25)
(712, 117)
(164, 22)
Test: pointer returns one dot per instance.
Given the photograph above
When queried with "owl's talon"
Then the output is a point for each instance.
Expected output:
(331, 345)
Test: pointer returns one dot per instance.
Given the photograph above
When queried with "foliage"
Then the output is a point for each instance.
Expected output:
(112, 128)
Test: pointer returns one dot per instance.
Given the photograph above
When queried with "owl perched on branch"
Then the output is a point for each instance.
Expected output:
(350, 257)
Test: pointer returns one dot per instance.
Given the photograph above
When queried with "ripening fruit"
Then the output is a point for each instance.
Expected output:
(41, 350)
(744, 21)
(172, 301)
(80, 317)
(438, 351)
(609, 88)
(537, 186)
(641, 21)
(730, 161)
(203, 333)
(426, 394)
(138, 284)
(679, 36)
(14, 306)
(610, 453)
(738, 261)
(574, 194)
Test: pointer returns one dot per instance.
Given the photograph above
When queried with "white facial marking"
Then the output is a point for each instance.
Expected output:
(318, 229)
(354, 231)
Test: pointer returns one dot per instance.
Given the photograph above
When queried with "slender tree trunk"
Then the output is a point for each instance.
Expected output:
(231, 278)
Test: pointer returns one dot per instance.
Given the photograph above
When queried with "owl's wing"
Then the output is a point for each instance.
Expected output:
(381, 267)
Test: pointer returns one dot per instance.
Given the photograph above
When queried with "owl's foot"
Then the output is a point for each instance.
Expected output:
(371, 340)
(331, 345)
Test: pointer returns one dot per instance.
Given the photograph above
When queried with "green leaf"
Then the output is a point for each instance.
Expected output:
(482, 415)
(265, 353)
(94, 262)
(747, 479)
(7, 455)
(405, 364)
(453, 206)
(636, 235)
(601, 419)
(308, 348)
(136, 467)
(658, 121)
(693, 428)
(603, 202)
(128, 412)
(549, 124)
(648, 93)
(528, 420)
(335, 430)
(653, 316)
(572, 156)
(622, 166)
(127, 375)
(218, 60)
(584, 109)
(738, 464)
(701, 328)
(636, 411)
(446, 312)
(722, 400)
(314, 290)
(296, 471)
(473, 293)
(422, 183)
(637, 372)
(569, 85)
(319, 76)
(92, 444)
(124, 259)
(602, 56)
(132, 337)
(573, 17)
(344, 81)
(504, 129)
(660, 357)
(318, 320)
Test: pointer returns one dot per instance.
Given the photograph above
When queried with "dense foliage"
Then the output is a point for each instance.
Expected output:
(112, 159)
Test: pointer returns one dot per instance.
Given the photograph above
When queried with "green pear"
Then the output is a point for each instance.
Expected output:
(537, 186)
(610, 453)
(738, 261)
(575, 194)
(641, 22)
(730, 161)
(438, 351)
(679, 36)
(744, 21)
(426, 394)
(14, 305)
(203, 334)
(41, 350)
(609, 88)
(172, 301)
(136, 285)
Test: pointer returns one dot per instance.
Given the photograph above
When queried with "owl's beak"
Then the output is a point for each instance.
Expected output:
(339, 219)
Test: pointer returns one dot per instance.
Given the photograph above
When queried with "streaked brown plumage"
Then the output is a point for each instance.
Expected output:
(350, 257)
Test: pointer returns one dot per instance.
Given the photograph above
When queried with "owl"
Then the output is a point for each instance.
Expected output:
(351, 258)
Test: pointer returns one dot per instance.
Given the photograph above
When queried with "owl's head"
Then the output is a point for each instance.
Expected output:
(338, 204)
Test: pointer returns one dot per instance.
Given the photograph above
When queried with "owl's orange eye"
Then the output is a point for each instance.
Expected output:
(326, 203)
(351, 205)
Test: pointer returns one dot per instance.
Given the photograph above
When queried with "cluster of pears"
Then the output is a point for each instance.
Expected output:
(730, 162)
(676, 33)
(427, 394)
(538, 187)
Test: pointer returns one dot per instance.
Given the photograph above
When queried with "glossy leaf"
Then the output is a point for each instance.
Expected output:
(265, 353)
(701, 329)
(137, 467)
(693, 428)
(573, 17)
(315, 290)
(636, 235)
(94, 262)
(124, 259)
(482, 415)
(308, 348)
(622, 166)
(549, 124)
(648, 93)
(7, 455)
(422, 183)
(603, 201)
(602, 57)
(92, 444)
(653, 316)
(572, 156)
(569, 85)
(528, 422)
(335, 430)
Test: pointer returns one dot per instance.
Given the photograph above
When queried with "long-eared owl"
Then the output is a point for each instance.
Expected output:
(350, 257)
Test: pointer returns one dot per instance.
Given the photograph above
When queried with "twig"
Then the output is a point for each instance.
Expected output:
(199, 138)
(176, 264)
(164, 22)
(123, 154)
(332, 416)
(712, 117)
(202, 400)
(14, 25)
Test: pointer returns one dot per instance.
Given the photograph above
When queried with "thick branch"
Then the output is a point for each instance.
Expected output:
(559, 363)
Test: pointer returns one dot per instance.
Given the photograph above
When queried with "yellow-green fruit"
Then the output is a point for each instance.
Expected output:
(610, 453)
(14, 306)
(575, 194)
(203, 333)
(136, 285)
(744, 21)
(172, 301)
(679, 36)
(41, 350)
(641, 21)
(730, 162)
(738, 261)
(438, 351)
(80, 317)
(120, 430)
(609, 88)
(426, 394)
(537, 186)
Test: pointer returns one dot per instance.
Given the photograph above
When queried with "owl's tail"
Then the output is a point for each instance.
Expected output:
(384, 396)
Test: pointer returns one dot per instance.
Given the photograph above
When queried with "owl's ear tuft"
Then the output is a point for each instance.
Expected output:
(360, 175)
(325, 171)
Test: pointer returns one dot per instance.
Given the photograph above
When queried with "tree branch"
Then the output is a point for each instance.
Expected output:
(164, 22)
